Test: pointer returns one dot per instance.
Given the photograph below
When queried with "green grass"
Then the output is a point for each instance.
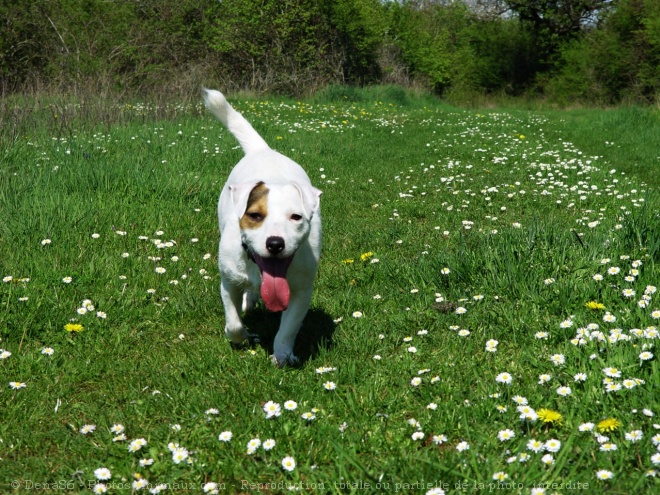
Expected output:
(521, 207)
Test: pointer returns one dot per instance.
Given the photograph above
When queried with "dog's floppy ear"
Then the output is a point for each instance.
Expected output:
(310, 198)
(240, 193)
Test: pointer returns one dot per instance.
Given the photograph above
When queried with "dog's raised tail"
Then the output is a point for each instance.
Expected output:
(247, 137)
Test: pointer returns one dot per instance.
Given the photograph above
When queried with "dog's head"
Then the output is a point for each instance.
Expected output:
(275, 219)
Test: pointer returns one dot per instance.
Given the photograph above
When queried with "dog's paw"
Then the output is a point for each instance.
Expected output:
(284, 360)
(236, 335)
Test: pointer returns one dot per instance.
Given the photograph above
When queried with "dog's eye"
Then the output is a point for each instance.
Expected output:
(257, 217)
(295, 217)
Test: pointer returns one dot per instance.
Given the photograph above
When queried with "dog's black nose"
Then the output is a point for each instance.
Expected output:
(275, 245)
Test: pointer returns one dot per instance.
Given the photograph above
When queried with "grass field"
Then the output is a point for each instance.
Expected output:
(484, 319)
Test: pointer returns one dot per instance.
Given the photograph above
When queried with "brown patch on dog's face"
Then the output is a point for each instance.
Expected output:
(257, 208)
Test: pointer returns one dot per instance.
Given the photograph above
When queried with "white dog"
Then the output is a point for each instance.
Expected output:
(270, 234)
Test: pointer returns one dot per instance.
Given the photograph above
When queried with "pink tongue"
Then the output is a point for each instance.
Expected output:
(274, 286)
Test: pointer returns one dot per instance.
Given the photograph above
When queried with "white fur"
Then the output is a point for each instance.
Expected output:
(290, 193)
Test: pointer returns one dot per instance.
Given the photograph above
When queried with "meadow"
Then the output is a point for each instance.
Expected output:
(484, 318)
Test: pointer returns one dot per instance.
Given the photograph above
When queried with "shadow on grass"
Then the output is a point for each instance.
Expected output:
(315, 334)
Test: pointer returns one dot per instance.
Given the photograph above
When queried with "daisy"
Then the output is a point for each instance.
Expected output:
(608, 447)
(439, 439)
(461, 311)
(308, 416)
(418, 435)
(268, 444)
(4, 354)
(612, 387)
(613, 270)
(520, 400)
(99, 488)
(253, 445)
(288, 463)
(500, 476)
(557, 359)
(655, 459)
(634, 436)
(357, 314)
(552, 445)
(586, 427)
(646, 355)
(463, 446)
(535, 446)
(527, 413)
(580, 377)
(612, 372)
(504, 378)
(604, 474)
(272, 409)
(329, 385)
(290, 405)
(548, 459)
(136, 445)
(415, 382)
(225, 436)
(505, 435)
(211, 488)
(117, 428)
(564, 391)
(102, 474)
(609, 318)
(629, 383)
(87, 429)
(544, 378)
(139, 484)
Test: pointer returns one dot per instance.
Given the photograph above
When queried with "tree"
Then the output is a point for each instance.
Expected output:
(554, 22)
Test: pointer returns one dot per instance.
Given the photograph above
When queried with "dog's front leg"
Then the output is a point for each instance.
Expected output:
(232, 299)
(290, 324)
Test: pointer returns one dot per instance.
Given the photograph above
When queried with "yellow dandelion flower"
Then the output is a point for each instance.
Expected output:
(73, 327)
(595, 305)
(347, 261)
(549, 416)
(609, 424)
(366, 256)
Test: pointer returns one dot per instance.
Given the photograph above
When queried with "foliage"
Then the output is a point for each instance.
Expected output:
(595, 51)
(618, 61)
